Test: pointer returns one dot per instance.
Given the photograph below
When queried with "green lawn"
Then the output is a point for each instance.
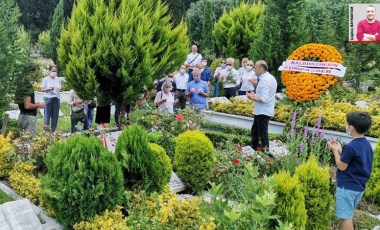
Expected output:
(4, 197)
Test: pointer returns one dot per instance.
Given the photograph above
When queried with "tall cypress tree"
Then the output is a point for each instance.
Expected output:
(283, 28)
(208, 44)
(9, 50)
(116, 48)
(55, 31)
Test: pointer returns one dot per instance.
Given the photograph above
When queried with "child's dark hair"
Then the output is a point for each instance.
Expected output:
(361, 121)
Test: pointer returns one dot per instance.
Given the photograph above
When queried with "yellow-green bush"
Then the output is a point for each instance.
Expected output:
(6, 161)
(373, 186)
(290, 200)
(194, 159)
(107, 221)
(164, 164)
(237, 107)
(24, 182)
(315, 184)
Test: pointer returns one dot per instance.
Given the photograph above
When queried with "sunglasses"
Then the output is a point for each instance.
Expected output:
(249, 65)
(223, 62)
(229, 64)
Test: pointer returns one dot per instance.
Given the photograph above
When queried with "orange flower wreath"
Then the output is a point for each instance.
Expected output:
(303, 87)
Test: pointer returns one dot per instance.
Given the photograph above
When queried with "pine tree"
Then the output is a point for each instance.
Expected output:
(55, 31)
(208, 44)
(9, 50)
(116, 48)
(283, 28)
(236, 30)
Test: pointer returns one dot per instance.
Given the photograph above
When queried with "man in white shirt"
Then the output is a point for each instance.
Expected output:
(181, 79)
(264, 105)
(193, 58)
(230, 78)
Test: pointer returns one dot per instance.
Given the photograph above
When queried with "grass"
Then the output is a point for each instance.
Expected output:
(4, 197)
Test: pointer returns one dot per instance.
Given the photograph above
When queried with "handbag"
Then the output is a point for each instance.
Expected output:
(78, 115)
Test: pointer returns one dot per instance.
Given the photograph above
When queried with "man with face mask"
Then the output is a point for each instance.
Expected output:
(181, 79)
(230, 78)
(218, 70)
(193, 58)
(170, 78)
(198, 91)
(205, 72)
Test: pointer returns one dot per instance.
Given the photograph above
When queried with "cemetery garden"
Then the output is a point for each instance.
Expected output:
(190, 169)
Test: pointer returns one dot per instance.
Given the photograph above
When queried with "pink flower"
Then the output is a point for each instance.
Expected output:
(239, 148)
(179, 117)
(236, 161)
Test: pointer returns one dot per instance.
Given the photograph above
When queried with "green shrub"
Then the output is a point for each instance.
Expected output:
(45, 44)
(108, 220)
(373, 186)
(162, 178)
(83, 180)
(315, 182)
(290, 201)
(6, 159)
(194, 159)
(139, 166)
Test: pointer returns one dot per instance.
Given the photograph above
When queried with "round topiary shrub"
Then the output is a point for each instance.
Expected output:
(315, 184)
(194, 159)
(140, 167)
(164, 163)
(290, 200)
(83, 180)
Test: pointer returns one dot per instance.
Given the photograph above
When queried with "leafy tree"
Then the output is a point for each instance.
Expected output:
(207, 42)
(235, 31)
(116, 48)
(178, 9)
(36, 15)
(283, 28)
(9, 50)
(55, 31)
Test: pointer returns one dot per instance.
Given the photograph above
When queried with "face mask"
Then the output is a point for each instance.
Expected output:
(204, 63)
(229, 67)
(182, 71)
(197, 78)
(167, 90)
(223, 65)
(249, 68)
(347, 131)
(53, 74)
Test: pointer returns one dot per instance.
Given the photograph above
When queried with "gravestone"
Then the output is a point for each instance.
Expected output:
(19, 215)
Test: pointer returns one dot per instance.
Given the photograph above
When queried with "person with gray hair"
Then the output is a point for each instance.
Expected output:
(230, 78)
(198, 91)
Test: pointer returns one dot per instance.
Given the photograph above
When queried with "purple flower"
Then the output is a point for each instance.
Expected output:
(301, 147)
(319, 122)
(305, 131)
(293, 125)
(321, 134)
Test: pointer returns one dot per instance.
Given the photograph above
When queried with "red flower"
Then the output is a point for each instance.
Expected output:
(179, 117)
(269, 161)
(239, 148)
(341, 83)
(259, 149)
(236, 161)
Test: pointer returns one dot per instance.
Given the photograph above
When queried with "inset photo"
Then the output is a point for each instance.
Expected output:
(364, 24)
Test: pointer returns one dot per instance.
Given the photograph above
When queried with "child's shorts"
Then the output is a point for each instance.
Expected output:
(346, 202)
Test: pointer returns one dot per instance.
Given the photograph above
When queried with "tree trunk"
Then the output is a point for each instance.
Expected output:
(122, 120)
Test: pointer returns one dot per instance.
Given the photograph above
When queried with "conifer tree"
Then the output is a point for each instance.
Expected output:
(208, 44)
(118, 47)
(236, 30)
(55, 31)
(9, 50)
(283, 28)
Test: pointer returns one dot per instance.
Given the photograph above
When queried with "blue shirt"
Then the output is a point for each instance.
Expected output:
(198, 101)
(205, 75)
(266, 91)
(358, 154)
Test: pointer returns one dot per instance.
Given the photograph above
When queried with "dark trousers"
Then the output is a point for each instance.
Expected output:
(230, 92)
(181, 95)
(51, 112)
(259, 132)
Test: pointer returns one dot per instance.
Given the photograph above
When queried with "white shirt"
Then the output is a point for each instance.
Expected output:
(167, 106)
(266, 91)
(226, 74)
(246, 78)
(55, 82)
(181, 80)
(193, 59)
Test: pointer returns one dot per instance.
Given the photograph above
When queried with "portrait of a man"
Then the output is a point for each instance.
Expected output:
(368, 29)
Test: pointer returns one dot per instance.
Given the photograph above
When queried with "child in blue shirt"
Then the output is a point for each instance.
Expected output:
(354, 163)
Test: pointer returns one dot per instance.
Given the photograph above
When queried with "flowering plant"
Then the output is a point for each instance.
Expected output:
(303, 87)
